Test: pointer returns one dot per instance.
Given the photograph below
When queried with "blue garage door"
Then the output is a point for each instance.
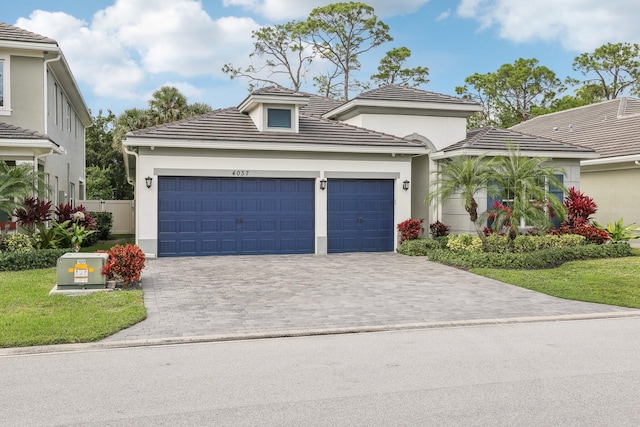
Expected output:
(360, 215)
(225, 216)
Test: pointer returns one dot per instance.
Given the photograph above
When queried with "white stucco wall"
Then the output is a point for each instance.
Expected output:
(218, 163)
(441, 131)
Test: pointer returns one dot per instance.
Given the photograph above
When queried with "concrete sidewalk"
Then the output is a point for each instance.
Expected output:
(204, 298)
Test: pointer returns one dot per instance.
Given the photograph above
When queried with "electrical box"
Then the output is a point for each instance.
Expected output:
(81, 270)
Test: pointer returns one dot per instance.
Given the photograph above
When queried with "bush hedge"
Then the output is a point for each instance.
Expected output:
(104, 222)
(543, 258)
(421, 247)
(43, 258)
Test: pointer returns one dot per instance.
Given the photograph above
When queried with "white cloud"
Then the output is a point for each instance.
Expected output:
(281, 10)
(444, 15)
(579, 25)
(128, 41)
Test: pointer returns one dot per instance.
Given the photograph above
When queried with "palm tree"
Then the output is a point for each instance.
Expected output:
(464, 175)
(16, 183)
(525, 182)
(167, 105)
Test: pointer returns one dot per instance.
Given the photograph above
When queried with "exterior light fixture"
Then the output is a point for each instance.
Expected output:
(323, 184)
(148, 180)
(405, 185)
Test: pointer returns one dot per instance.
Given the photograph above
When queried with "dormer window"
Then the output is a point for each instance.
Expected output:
(279, 118)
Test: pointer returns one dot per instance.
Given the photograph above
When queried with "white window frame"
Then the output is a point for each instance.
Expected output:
(5, 110)
(294, 118)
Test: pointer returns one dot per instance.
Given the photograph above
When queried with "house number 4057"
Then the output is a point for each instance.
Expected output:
(240, 173)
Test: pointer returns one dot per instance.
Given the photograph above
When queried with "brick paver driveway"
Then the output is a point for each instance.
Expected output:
(198, 296)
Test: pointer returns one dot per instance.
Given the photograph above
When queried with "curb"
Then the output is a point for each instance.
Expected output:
(152, 342)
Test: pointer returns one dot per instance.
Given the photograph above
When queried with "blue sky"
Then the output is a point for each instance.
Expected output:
(120, 51)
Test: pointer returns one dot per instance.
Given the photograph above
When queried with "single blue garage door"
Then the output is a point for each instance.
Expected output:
(360, 215)
(225, 216)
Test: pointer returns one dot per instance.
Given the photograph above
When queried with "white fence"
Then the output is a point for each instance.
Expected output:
(123, 213)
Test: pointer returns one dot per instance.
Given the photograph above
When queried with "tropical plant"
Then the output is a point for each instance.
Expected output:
(438, 229)
(579, 208)
(464, 175)
(525, 183)
(17, 183)
(125, 263)
(33, 213)
(410, 229)
(618, 232)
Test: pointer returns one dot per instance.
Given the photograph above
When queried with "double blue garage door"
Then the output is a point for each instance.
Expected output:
(225, 216)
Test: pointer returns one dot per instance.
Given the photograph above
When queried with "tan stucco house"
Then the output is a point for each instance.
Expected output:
(290, 172)
(43, 115)
(612, 129)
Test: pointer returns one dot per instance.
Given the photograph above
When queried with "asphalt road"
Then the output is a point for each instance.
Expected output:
(572, 373)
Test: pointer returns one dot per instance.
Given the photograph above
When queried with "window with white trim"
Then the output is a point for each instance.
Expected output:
(5, 86)
(279, 118)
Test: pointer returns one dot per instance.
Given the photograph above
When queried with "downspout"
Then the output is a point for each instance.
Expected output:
(126, 164)
(46, 89)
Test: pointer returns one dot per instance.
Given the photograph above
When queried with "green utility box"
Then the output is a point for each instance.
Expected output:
(81, 271)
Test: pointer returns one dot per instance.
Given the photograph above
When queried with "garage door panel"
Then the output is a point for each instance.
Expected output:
(360, 215)
(235, 216)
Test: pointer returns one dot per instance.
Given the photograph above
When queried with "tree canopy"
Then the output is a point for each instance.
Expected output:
(391, 70)
(336, 35)
(611, 69)
(509, 94)
(106, 176)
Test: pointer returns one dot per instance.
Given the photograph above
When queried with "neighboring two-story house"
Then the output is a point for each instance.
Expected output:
(290, 172)
(43, 115)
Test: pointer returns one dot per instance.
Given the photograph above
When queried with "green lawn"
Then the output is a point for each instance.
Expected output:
(29, 316)
(614, 281)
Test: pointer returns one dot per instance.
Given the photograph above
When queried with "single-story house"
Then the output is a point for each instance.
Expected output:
(612, 129)
(290, 172)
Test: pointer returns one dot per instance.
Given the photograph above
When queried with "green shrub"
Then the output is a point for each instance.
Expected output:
(43, 258)
(419, 247)
(104, 223)
(18, 242)
(464, 243)
(544, 258)
(497, 243)
(525, 243)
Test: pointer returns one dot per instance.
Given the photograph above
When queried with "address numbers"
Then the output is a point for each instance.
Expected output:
(240, 173)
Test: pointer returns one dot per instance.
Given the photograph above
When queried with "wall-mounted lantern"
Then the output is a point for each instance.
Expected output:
(323, 184)
(405, 185)
(148, 180)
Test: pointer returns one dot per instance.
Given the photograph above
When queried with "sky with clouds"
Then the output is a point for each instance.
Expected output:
(120, 51)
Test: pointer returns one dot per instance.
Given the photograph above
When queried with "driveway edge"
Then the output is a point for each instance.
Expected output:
(63, 348)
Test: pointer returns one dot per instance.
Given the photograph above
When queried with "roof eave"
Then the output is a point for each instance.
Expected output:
(40, 145)
(272, 146)
(611, 160)
(440, 155)
(252, 101)
(14, 44)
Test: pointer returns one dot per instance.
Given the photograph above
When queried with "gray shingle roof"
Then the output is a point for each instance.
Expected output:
(492, 138)
(8, 131)
(317, 106)
(12, 33)
(612, 128)
(231, 125)
(404, 93)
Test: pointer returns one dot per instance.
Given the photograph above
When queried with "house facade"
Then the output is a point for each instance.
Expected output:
(43, 115)
(612, 129)
(290, 172)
